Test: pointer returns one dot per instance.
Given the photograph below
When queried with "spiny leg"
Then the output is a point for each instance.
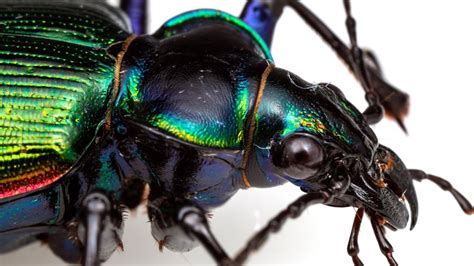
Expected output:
(100, 228)
(353, 245)
(394, 101)
(169, 215)
(465, 205)
(384, 245)
(137, 12)
(293, 210)
(194, 221)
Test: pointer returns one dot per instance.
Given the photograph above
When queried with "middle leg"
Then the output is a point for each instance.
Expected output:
(179, 225)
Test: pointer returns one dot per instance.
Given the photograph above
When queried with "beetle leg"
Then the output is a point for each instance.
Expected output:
(262, 16)
(100, 228)
(179, 224)
(293, 210)
(194, 221)
(353, 245)
(374, 113)
(137, 12)
(394, 101)
(465, 205)
(335, 188)
(384, 245)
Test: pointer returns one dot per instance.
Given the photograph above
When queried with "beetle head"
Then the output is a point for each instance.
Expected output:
(303, 129)
(313, 137)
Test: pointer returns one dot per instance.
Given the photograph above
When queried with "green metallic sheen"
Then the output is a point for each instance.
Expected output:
(299, 113)
(227, 134)
(55, 79)
(216, 14)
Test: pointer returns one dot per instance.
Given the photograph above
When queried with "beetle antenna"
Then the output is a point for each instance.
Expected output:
(293, 210)
(465, 205)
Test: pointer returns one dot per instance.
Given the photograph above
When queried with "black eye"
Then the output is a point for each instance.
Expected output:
(299, 155)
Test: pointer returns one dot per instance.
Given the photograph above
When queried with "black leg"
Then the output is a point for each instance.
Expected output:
(384, 245)
(99, 228)
(293, 210)
(353, 245)
(194, 222)
(394, 101)
(137, 12)
(96, 207)
(336, 187)
(178, 224)
(374, 113)
(465, 205)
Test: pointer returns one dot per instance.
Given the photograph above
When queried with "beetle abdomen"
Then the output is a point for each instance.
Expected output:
(55, 77)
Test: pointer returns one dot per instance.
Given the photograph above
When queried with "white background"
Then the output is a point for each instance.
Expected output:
(425, 48)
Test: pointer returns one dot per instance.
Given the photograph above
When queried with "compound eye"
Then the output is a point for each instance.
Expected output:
(300, 155)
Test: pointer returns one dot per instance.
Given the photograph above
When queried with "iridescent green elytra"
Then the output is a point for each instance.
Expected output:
(55, 77)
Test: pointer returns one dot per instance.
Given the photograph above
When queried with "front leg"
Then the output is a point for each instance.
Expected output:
(180, 225)
(99, 228)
